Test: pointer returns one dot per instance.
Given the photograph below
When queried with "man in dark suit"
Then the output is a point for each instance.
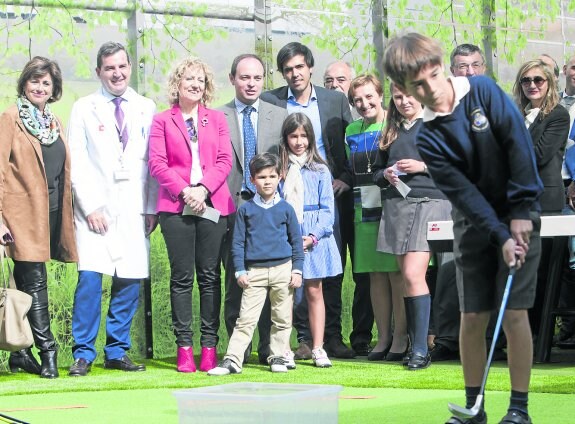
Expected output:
(247, 77)
(329, 113)
(467, 60)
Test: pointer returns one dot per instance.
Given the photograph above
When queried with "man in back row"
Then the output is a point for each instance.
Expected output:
(255, 127)
(329, 113)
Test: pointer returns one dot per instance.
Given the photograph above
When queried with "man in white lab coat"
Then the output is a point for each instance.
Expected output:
(114, 208)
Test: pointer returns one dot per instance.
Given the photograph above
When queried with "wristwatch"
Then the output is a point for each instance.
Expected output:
(425, 169)
(238, 274)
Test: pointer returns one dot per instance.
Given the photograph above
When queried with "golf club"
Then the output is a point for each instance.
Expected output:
(468, 413)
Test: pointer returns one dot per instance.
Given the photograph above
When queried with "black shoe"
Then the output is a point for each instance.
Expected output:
(123, 364)
(303, 351)
(406, 358)
(515, 417)
(442, 353)
(49, 367)
(336, 349)
(24, 360)
(418, 362)
(80, 368)
(480, 418)
(398, 356)
(263, 358)
(567, 343)
(225, 367)
(378, 356)
(361, 349)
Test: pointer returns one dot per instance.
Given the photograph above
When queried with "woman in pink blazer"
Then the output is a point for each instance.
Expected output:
(191, 157)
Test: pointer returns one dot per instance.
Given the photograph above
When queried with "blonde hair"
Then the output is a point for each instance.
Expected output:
(362, 80)
(551, 99)
(177, 75)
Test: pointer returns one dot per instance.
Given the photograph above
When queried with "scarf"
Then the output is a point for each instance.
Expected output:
(43, 126)
(530, 114)
(293, 184)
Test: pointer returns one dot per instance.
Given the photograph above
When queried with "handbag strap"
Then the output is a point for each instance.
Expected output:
(6, 282)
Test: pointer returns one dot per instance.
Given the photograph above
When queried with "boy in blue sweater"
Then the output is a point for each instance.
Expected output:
(480, 154)
(267, 251)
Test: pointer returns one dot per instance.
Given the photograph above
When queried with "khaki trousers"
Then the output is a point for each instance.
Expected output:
(276, 280)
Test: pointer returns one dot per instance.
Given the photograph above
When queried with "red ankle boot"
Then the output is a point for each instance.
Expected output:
(209, 359)
(186, 359)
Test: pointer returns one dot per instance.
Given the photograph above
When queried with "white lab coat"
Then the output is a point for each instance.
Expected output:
(97, 156)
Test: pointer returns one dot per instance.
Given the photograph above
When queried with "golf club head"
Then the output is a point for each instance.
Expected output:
(466, 413)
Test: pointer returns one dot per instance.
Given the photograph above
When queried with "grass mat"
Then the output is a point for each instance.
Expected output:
(546, 378)
(356, 405)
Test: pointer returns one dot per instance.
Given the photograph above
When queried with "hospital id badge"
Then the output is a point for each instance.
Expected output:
(121, 174)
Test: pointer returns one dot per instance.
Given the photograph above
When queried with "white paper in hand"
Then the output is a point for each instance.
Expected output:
(209, 213)
(403, 188)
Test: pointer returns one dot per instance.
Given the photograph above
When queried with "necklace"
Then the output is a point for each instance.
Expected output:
(374, 142)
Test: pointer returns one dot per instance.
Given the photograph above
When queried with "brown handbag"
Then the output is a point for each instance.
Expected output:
(15, 331)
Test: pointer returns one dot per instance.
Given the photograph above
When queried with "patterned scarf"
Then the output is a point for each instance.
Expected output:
(293, 186)
(43, 126)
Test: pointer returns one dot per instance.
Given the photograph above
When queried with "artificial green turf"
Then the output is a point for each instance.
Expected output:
(547, 378)
(356, 406)
(400, 396)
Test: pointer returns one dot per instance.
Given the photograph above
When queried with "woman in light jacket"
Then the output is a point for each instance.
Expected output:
(36, 201)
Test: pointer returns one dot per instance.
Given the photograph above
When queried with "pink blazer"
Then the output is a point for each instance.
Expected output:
(170, 158)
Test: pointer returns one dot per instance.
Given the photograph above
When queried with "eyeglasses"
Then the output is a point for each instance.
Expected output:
(526, 81)
(465, 66)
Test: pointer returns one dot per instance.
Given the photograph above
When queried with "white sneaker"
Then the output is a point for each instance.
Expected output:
(225, 367)
(289, 360)
(277, 364)
(320, 358)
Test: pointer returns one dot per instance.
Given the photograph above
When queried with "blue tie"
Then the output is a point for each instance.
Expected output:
(249, 147)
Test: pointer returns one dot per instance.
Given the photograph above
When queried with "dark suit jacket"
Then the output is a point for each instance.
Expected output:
(270, 120)
(549, 137)
(335, 116)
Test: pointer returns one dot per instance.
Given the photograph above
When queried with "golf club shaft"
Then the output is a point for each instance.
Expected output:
(498, 324)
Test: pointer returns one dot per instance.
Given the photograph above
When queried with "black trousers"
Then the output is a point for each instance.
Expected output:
(445, 308)
(194, 244)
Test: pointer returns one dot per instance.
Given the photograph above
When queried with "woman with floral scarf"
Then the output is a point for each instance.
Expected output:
(36, 222)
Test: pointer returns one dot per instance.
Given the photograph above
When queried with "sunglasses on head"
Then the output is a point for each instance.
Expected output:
(526, 81)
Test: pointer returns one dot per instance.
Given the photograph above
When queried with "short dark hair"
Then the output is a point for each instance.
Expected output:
(38, 67)
(241, 57)
(407, 55)
(264, 160)
(465, 50)
(108, 49)
(291, 50)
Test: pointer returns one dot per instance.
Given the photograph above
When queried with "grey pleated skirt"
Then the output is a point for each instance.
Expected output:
(403, 225)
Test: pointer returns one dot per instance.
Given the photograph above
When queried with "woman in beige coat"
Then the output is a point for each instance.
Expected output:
(35, 201)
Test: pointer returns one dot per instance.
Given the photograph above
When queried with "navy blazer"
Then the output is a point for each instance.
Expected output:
(549, 138)
(335, 116)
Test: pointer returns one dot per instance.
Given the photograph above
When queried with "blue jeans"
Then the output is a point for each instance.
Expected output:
(87, 313)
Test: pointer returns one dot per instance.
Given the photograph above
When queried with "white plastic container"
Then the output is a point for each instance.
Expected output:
(259, 403)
